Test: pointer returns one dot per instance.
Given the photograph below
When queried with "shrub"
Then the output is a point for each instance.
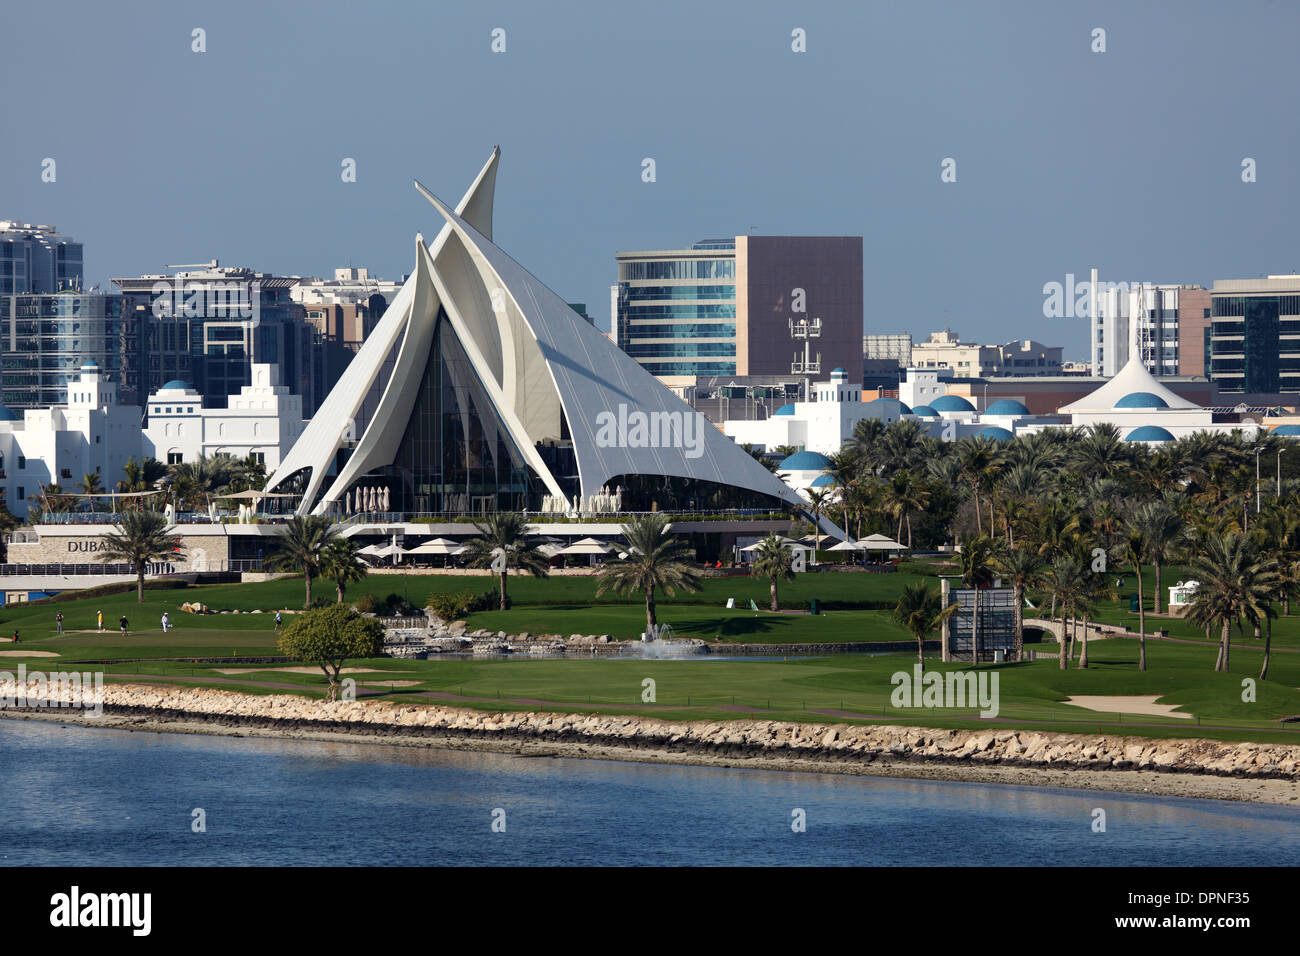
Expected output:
(366, 604)
(451, 607)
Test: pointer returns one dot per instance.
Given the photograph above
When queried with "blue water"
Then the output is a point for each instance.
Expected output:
(76, 796)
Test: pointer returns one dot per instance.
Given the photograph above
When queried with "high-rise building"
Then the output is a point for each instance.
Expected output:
(47, 338)
(227, 319)
(749, 305)
(37, 260)
(1255, 334)
(1158, 334)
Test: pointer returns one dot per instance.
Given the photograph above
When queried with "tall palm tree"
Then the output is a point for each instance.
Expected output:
(819, 498)
(655, 559)
(921, 610)
(976, 563)
(342, 564)
(977, 455)
(504, 536)
(142, 540)
(92, 484)
(1135, 552)
(774, 561)
(1164, 528)
(1024, 569)
(1062, 579)
(1233, 583)
(302, 546)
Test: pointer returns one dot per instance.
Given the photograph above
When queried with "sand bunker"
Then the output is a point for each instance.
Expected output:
(294, 670)
(29, 654)
(1127, 705)
(389, 683)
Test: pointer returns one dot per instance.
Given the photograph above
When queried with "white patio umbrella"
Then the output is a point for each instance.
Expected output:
(786, 542)
(586, 546)
(442, 546)
(847, 546)
(879, 542)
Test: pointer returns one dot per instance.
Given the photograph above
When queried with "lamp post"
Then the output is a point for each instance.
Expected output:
(1279, 474)
(1257, 451)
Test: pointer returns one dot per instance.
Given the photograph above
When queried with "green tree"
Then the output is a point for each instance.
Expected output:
(301, 548)
(143, 539)
(342, 564)
(1062, 579)
(1233, 583)
(1135, 551)
(921, 610)
(503, 543)
(774, 561)
(655, 559)
(330, 636)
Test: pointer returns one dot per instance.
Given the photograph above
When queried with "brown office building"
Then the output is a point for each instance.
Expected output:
(747, 306)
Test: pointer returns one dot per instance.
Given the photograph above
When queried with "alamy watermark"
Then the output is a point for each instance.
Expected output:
(1073, 300)
(182, 298)
(61, 691)
(636, 429)
(933, 689)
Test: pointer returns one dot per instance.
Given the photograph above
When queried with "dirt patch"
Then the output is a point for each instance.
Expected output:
(29, 654)
(1127, 705)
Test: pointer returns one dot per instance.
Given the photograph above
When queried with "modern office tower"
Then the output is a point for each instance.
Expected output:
(37, 260)
(1158, 335)
(896, 346)
(945, 350)
(1255, 334)
(47, 338)
(1193, 331)
(749, 305)
(228, 319)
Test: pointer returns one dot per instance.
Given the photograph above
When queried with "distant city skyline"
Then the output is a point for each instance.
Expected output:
(1065, 158)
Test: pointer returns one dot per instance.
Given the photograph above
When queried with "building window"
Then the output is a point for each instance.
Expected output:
(22, 462)
(173, 458)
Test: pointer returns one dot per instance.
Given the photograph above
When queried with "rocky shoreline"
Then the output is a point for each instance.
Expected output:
(1259, 772)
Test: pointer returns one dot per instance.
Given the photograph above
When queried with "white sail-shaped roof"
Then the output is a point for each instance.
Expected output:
(1132, 378)
(543, 367)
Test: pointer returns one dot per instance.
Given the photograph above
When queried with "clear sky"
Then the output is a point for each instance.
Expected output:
(1129, 160)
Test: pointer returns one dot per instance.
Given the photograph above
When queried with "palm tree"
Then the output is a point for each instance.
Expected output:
(302, 546)
(142, 540)
(503, 540)
(1234, 583)
(819, 498)
(655, 559)
(1163, 527)
(977, 456)
(773, 560)
(1024, 569)
(920, 610)
(92, 484)
(1062, 580)
(1135, 551)
(976, 566)
(342, 564)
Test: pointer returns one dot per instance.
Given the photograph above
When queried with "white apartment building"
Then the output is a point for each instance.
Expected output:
(971, 360)
(1155, 330)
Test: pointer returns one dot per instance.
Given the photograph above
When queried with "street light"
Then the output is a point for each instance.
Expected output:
(1257, 451)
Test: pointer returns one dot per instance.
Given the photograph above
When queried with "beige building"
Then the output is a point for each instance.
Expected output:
(970, 360)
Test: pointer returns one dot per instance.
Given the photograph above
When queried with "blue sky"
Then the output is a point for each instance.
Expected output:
(1129, 160)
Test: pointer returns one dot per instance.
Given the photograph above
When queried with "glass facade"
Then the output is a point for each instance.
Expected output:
(456, 455)
(665, 311)
(1255, 343)
(47, 338)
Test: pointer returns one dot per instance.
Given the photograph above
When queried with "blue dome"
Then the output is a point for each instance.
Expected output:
(1141, 400)
(995, 432)
(1149, 433)
(1284, 431)
(821, 481)
(840, 370)
(1007, 406)
(805, 461)
(7, 414)
(951, 403)
(902, 406)
(925, 411)
(784, 410)
(175, 383)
